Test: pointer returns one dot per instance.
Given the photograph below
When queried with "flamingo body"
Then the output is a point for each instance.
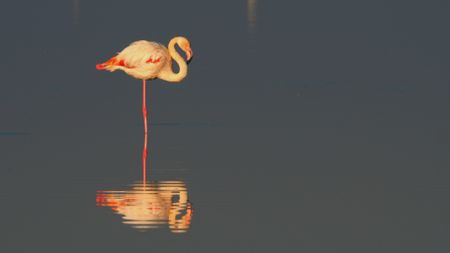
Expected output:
(149, 60)
(141, 59)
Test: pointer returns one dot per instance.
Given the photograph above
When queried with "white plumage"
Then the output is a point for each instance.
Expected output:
(139, 53)
(148, 60)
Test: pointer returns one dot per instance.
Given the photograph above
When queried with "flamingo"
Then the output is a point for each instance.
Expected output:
(150, 60)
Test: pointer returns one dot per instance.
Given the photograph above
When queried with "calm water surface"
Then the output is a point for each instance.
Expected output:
(303, 126)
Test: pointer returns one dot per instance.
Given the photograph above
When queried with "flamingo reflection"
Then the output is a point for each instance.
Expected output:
(154, 204)
(151, 205)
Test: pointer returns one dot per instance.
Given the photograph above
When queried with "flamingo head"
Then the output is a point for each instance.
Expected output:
(185, 45)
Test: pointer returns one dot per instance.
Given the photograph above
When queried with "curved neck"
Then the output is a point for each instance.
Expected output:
(169, 75)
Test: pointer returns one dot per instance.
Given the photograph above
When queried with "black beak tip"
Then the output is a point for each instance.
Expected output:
(189, 61)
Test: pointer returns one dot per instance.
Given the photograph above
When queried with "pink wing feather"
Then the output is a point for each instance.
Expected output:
(145, 56)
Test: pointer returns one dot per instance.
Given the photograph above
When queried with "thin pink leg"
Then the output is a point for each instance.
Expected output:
(144, 151)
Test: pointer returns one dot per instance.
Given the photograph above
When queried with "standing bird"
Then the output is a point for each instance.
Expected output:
(149, 60)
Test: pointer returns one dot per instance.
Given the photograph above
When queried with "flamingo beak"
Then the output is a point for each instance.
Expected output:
(189, 55)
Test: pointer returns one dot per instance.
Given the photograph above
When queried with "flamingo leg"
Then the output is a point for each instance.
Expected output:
(144, 114)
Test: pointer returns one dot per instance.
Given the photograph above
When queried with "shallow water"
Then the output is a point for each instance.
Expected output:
(317, 126)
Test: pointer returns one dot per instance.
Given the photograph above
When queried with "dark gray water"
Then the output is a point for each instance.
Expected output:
(303, 126)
